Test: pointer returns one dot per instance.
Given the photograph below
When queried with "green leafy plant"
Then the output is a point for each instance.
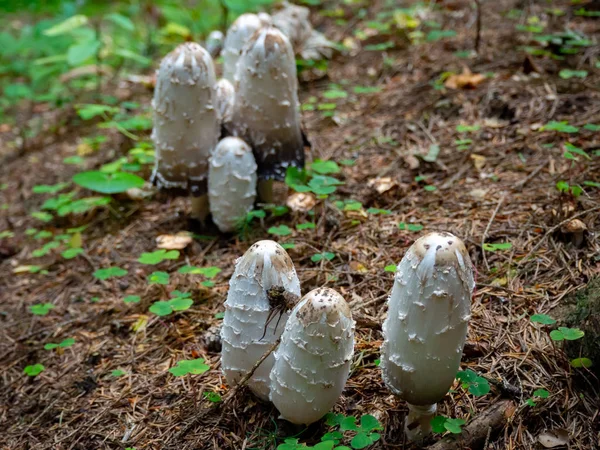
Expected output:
(537, 395)
(193, 366)
(63, 344)
(280, 230)
(180, 302)
(414, 227)
(568, 334)
(441, 424)
(158, 256)
(544, 319)
(327, 256)
(158, 277)
(109, 272)
(118, 373)
(476, 385)
(108, 183)
(34, 370)
(41, 309)
(496, 247)
(132, 299)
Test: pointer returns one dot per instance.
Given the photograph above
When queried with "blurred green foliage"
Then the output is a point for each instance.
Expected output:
(50, 50)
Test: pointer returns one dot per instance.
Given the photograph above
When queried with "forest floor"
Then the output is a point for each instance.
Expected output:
(493, 181)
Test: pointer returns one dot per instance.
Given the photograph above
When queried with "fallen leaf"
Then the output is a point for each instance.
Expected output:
(146, 191)
(478, 161)
(412, 161)
(301, 202)
(478, 193)
(174, 241)
(554, 438)
(383, 184)
(358, 267)
(465, 80)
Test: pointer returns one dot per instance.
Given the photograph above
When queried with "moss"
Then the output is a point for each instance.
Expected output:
(582, 310)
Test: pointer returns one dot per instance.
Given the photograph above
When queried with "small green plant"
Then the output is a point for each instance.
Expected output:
(118, 373)
(537, 395)
(208, 272)
(414, 227)
(544, 319)
(41, 309)
(476, 385)
(280, 230)
(132, 299)
(34, 370)
(108, 183)
(441, 424)
(568, 334)
(158, 256)
(497, 247)
(561, 127)
(180, 301)
(109, 272)
(193, 366)
(158, 277)
(63, 344)
(327, 256)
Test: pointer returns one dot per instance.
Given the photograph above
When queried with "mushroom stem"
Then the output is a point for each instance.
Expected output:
(417, 423)
(272, 191)
(200, 208)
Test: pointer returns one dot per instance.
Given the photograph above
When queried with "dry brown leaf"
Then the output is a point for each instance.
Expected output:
(382, 185)
(478, 161)
(301, 202)
(174, 241)
(358, 267)
(466, 80)
(554, 438)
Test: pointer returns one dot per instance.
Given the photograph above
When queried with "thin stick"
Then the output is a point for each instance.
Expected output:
(487, 228)
(478, 25)
(229, 396)
(553, 229)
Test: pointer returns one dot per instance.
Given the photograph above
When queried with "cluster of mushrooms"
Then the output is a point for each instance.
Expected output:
(424, 332)
(225, 142)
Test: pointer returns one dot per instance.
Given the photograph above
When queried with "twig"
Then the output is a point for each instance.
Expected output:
(529, 177)
(553, 229)
(478, 26)
(477, 431)
(487, 228)
(228, 397)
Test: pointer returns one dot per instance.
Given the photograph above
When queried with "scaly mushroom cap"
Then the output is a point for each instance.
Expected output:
(426, 325)
(266, 110)
(312, 362)
(294, 22)
(186, 128)
(225, 99)
(238, 34)
(244, 336)
(231, 183)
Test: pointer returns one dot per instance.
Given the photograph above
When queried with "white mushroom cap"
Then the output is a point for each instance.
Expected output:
(312, 362)
(426, 326)
(237, 36)
(245, 340)
(186, 128)
(266, 109)
(294, 22)
(214, 42)
(231, 183)
(225, 100)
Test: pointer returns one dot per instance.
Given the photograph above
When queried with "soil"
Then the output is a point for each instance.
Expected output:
(501, 189)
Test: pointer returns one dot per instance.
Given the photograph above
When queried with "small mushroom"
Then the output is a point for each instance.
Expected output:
(237, 36)
(426, 326)
(251, 323)
(214, 43)
(231, 183)
(312, 362)
(575, 229)
(186, 127)
(224, 102)
(266, 110)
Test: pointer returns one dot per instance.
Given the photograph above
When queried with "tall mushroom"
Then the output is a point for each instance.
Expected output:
(186, 127)
(238, 34)
(426, 326)
(312, 361)
(231, 183)
(266, 109)
(251, 323)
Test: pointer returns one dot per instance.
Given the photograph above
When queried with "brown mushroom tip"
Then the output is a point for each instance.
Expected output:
(446, 246)
(574, 226)
(270, 250)
(323, 301)
(187, 56)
